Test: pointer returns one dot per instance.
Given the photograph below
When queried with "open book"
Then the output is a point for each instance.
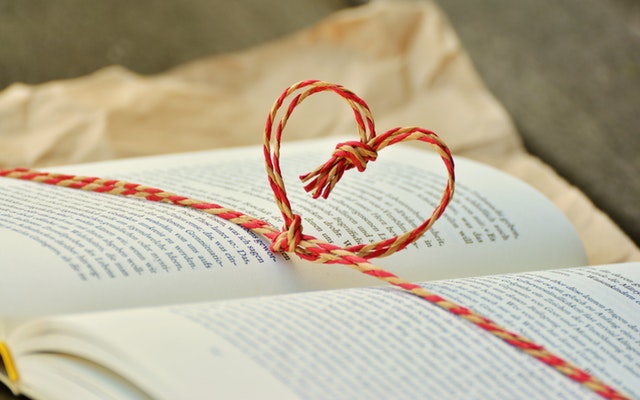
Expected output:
(108, 296)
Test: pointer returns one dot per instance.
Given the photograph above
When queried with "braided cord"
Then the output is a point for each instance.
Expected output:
(320, 182)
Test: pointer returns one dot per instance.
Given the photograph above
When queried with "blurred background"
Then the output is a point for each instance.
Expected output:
(568, 71)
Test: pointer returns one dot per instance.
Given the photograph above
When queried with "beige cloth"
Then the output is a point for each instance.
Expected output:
(403, 58)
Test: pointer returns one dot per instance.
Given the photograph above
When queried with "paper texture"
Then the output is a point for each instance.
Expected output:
(403, 58)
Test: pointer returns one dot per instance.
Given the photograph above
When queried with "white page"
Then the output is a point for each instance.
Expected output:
(366, 343)
(590, 315)
(138, 374)
(71, 378)
(67, 250)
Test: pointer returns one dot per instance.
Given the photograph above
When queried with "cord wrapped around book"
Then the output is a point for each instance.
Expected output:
(320, 182)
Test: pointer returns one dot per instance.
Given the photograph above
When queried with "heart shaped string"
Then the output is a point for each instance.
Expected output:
(346, 156)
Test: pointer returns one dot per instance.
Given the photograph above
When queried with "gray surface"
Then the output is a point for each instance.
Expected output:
(41, 40)
(568, 71)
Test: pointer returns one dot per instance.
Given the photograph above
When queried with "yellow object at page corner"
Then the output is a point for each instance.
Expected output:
(7, 360)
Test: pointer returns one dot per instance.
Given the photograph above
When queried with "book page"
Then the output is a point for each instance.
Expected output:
(368, 343)
(590, 315)
(67, 377)
(91, 250)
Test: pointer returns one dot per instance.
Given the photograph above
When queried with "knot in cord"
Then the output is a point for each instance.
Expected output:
(354, 154)
(346, 156)
(290, 237)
